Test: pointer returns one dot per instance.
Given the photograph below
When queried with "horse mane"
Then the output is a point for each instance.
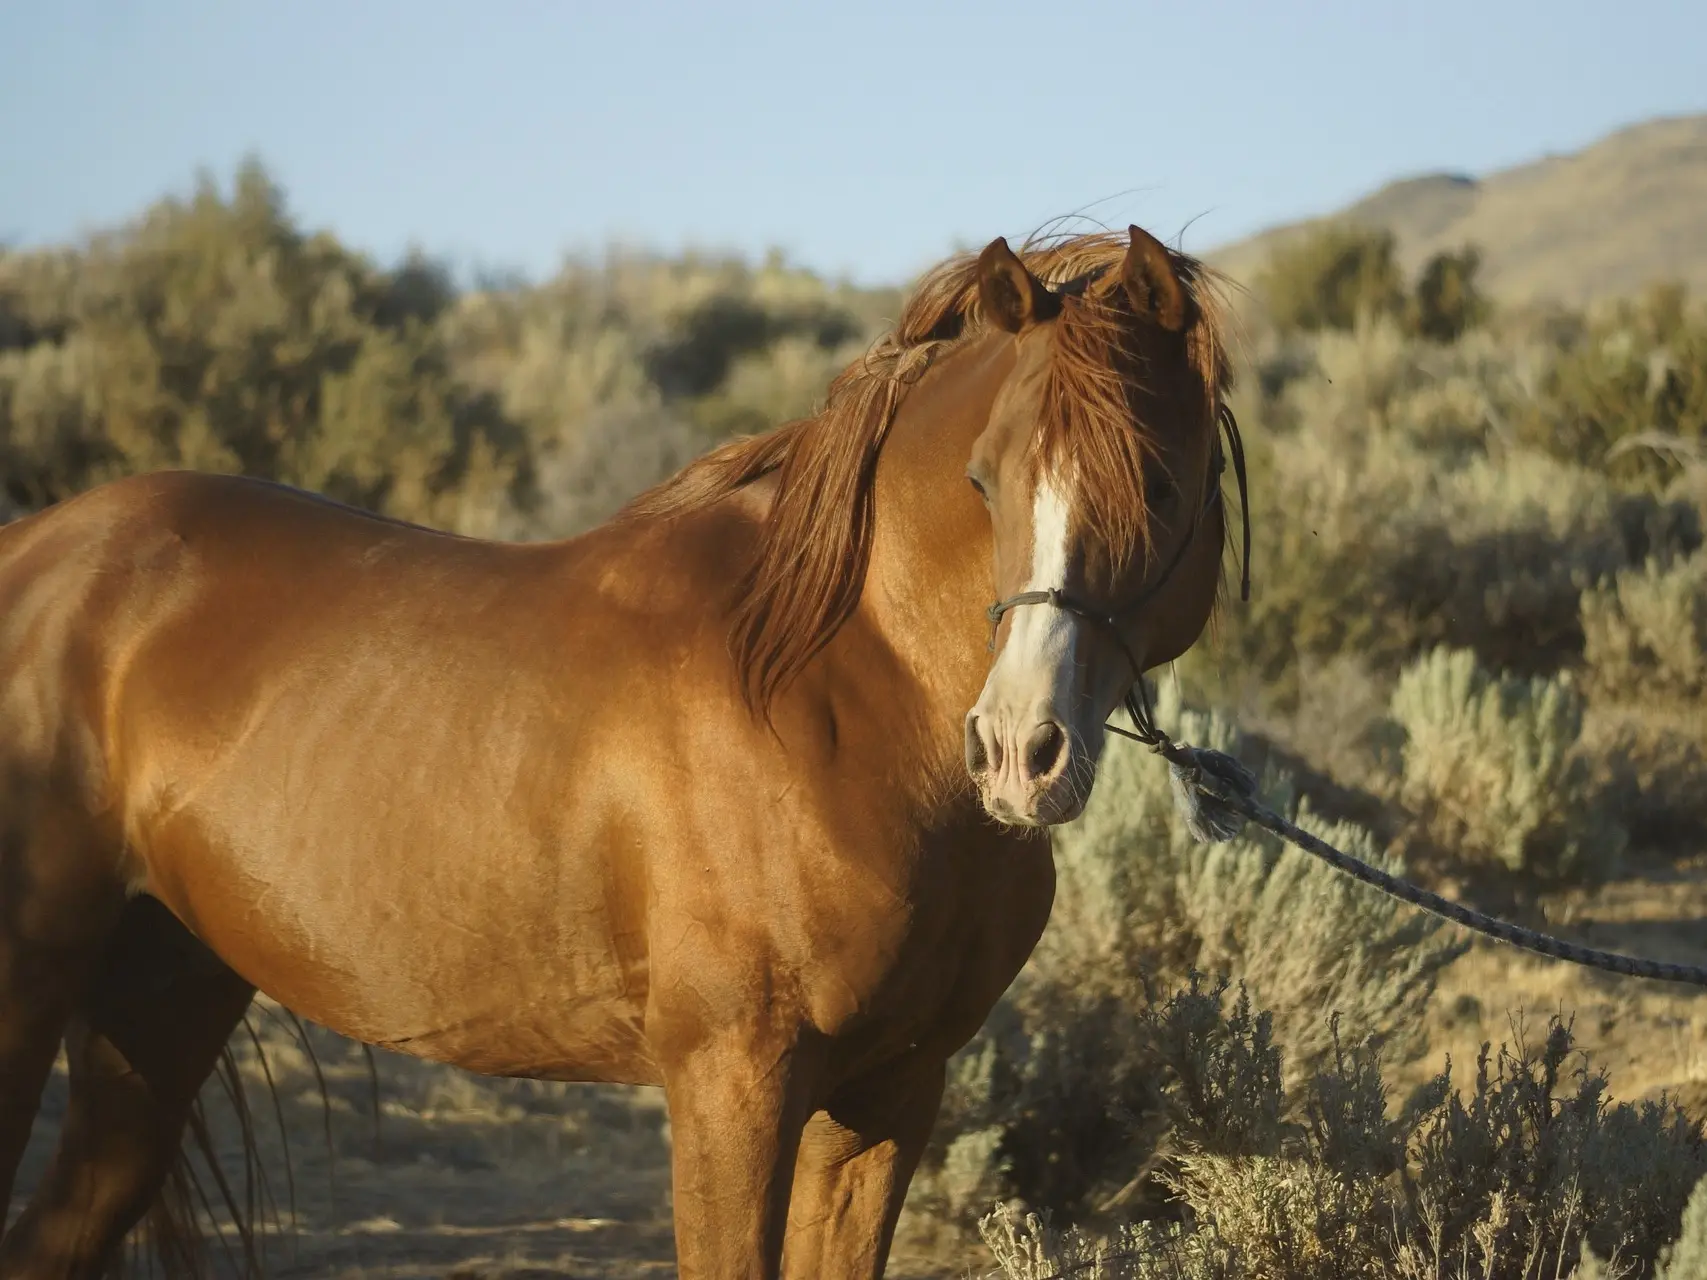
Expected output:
(815, 543)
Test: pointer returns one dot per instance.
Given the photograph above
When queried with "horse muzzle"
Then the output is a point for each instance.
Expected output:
(1031, 769)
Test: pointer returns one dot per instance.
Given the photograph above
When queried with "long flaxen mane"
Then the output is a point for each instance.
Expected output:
(816, 541)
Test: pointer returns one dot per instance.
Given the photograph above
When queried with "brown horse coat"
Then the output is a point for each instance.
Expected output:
(515, 807)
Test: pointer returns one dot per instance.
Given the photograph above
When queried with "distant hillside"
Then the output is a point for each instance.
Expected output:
(1604, 221)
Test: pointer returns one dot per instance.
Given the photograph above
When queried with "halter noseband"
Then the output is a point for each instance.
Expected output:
(1137, 700)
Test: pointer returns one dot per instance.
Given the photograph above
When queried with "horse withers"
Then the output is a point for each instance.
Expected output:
(726, 795)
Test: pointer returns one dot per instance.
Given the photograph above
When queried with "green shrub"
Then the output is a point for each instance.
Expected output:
(1341, 276)
(1650, 765)
(1401, 515)
(1447, 302)
(1686, 1257)
(1645, 631)
(1491, 765)
(623, 371)
(215, 333)
(1140, 902)
(1332, 278)
(1635, 370)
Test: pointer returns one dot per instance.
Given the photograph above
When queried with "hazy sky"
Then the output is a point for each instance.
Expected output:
(864, 138)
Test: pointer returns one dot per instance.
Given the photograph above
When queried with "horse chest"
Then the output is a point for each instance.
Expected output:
(1001, 910)
(929, 967)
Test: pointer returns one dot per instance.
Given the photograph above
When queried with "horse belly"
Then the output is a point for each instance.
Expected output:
(495, 952)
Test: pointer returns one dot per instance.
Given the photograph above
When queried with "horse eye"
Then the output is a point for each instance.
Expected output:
(978, 485)
(1156, 481)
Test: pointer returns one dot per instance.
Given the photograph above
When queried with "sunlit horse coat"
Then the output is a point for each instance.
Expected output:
(706, 797)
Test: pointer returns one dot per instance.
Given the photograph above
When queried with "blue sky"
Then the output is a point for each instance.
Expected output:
(864, 138)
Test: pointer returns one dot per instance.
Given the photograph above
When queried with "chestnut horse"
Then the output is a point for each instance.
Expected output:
(725, 795)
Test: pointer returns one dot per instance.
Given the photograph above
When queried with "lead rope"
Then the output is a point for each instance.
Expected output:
(1216, 794)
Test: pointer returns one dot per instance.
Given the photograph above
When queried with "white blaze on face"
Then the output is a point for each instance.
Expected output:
(1035, 672)
(1031, 742)
(1045, 639)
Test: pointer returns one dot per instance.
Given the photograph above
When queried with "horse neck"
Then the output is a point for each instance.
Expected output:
(929, 578)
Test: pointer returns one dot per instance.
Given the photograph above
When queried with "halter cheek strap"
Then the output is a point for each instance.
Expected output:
(1137, 700)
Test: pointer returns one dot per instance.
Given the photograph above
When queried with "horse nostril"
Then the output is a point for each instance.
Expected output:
(976, 756)
(1044, 751)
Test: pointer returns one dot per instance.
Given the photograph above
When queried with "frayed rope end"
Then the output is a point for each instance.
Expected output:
(1208, 817)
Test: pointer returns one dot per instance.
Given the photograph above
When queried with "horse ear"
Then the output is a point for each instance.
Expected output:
(1011, 296)
(1151, 281)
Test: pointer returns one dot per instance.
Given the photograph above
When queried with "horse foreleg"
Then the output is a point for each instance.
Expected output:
(33, 1012)
(146, 1035)
(59, 899)
(736, 1111)
(856, 1159)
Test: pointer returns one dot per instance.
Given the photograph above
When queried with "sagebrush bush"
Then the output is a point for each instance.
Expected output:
(1447, 301)
(1633, 369)
(1645, 632)
(1403, 515)
(622, 371)
(1649, 766)
(1336, 276)
(1139, 901)
(1686, 1257)
(1491, 764)
(1055, 1102)
(1333, 277)
(215, 334)
(1518, 1176)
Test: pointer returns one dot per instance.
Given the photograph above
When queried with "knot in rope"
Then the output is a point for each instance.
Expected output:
(1201, 780)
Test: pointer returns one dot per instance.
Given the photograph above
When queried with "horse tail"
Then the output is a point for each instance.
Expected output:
(201, 1210)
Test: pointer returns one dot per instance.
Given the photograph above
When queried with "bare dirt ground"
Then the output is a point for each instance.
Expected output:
(465, 1177)
(1648, 1036)
(471, 1178)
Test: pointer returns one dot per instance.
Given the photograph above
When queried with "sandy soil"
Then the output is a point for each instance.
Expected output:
(464, 1177)
(1648, 1036)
